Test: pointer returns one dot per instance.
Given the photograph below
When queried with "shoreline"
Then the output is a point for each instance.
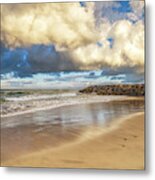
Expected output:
(84, 100)
(109, 147)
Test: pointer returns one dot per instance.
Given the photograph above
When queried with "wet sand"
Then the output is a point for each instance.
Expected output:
(32, 104)
(120, 146)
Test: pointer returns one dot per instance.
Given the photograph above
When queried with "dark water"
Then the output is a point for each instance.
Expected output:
(34, 131)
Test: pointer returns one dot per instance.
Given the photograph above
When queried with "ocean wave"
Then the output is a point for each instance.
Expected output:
(40, 97)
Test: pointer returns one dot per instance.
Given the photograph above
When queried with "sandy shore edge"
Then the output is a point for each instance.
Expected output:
(53, 106)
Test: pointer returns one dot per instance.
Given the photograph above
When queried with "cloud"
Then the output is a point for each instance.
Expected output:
(67, 80)
(137, 7)
(51, 37)
(111, 10)
(35, 59)
(127, 49)
(64, 24)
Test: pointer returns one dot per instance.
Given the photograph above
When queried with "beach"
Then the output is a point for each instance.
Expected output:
(120, 148)
(117, 143)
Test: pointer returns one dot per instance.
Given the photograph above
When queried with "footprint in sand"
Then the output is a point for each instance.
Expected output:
(125, 139)
(123, 145)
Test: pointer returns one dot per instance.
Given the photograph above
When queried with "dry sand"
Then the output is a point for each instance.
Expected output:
(121, 147)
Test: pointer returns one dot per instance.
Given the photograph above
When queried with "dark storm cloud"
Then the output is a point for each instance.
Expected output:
(14, 60)
(46, 59)
(35, 59)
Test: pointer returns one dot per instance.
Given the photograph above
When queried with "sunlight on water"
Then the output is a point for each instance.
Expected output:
(84, 114)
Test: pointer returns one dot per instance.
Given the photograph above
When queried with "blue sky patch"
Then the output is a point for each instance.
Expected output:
(111, 40)
(124, 7)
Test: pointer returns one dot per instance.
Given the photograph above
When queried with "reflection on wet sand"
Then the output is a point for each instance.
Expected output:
(32, 132)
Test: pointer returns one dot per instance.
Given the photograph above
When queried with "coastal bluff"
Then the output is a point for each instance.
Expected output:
(117, 89)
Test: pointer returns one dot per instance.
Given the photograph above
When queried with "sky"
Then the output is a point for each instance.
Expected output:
(72, 45)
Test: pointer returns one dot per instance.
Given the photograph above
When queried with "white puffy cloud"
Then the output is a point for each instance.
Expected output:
(64, 24)
(127, 50)
(76, 30)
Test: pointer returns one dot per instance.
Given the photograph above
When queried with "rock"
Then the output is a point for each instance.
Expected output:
(119, 89)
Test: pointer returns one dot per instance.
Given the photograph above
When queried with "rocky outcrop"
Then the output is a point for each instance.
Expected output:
(119, 89)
